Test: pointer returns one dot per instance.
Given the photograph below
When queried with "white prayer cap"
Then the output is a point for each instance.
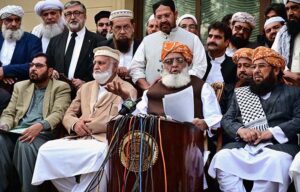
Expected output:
(46, 5)
(273, 19)
(187, 16)
(151, 17)
(295, 1)
(121, 13)
(107, 51)
(243, 17)
(9, 10)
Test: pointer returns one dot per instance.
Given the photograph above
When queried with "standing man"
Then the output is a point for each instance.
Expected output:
(151, 25)
(86, 119)
(146, 66)
(287, 42)
(271, 28)
(36, 107)
(17, 47)
(122, 27)
(264, 120)
(242, 24)
(102, 23)
(220, 67)
(71, 52)
(189, 23)
(52, 23)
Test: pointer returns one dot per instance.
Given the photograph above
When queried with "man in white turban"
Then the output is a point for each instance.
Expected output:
(242, 24)
(52, 22)
(17, 49)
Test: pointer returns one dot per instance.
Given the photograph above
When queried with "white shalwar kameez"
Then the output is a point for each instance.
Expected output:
(62, 159)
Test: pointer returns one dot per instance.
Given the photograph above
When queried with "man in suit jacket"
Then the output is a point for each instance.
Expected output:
(36, 107)
(122, 27)
(86, 119)
(74, 63)
(264, 121)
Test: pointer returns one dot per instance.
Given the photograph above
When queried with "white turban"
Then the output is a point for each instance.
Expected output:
(47, 5)
(11, 10)
(295, 1)
(186, 16)
(273, 19)
(244, 17)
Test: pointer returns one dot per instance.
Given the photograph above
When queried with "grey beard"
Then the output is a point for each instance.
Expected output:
(11, 35)
(176, 80)
(52, 30)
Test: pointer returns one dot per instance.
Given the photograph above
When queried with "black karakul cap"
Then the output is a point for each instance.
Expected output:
(101, 14)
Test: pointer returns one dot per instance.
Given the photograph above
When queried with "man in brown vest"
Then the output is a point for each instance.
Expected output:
(176, 58)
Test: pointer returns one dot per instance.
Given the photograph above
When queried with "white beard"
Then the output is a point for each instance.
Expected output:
(52, 30)
(11, 35)
(176, 80)
(102, 76)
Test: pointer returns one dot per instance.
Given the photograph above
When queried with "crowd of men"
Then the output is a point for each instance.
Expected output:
(61, 75)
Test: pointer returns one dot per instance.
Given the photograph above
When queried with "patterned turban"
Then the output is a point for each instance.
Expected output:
(244, 17)
(47, 5)
(270, 56)
(242, 52)
(9, 10)
(176, 47)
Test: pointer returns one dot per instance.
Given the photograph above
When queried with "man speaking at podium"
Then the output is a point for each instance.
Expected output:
(176, 58)
(71, 163)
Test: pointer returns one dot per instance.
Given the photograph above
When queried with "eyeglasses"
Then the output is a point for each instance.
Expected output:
(102, 24)
(239, 28)
(170, 61)
(192, 26)
(75, 14)
(37, 65)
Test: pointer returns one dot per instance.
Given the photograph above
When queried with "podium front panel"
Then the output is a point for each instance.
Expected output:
(148, 157)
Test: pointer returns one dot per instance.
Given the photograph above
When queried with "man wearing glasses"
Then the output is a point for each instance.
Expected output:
(242, 24)
(36, 107)
(17, 49)
(102, 23)
(52, 22)
(71, 52)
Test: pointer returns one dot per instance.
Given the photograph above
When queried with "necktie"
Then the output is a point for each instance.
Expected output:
(69, 53)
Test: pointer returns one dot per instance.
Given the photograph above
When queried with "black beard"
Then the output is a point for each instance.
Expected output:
(265, 86)
(123, 45)
(238, 42)
(41, 79)
(293, 27)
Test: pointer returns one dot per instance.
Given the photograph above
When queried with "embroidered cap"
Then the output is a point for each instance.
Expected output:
(121, 13)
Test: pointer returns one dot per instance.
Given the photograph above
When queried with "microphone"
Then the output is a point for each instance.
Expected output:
(129, 106)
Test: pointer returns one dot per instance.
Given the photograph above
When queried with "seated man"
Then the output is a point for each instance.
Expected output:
(264, 119)
(36, 107)
(86, 118)
(176, 58)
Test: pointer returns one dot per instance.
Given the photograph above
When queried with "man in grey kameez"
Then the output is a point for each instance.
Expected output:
(36, 107)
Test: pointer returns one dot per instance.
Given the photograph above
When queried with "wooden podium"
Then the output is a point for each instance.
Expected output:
(149, 154)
